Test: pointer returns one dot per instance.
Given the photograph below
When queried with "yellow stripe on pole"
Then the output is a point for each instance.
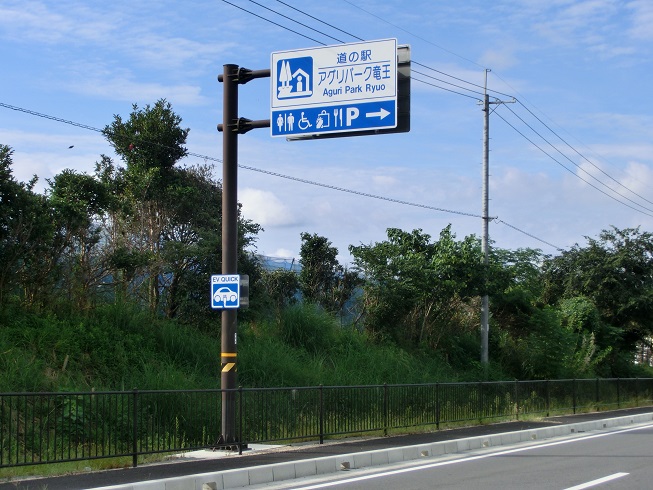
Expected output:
(229, 354)
(228, 367)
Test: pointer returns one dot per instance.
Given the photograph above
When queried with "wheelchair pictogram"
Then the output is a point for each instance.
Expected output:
(303, 123)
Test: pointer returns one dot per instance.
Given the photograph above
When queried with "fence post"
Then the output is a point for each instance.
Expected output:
(240, 420)
(321, 414)
(480, 402)
(385, 409)
(618, 393)
(135, 428)
(548, 398)
(517, 398)
(637, 392)
(573, 390)
(598, 396)
(437, 406)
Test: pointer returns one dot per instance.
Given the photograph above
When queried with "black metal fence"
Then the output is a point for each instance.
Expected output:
(39, 428)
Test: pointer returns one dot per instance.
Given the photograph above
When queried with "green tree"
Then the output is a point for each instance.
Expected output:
(322, 279)
(27, 264)
(164, 223)
(151, 139)
(415, 289)
(279, 288)
(150, 143)
(614, 272)
(515, 286)
(593, 338)
(125, 260)
(79, 202)
(192, 243)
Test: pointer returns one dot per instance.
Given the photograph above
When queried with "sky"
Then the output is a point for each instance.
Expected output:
(570, 129)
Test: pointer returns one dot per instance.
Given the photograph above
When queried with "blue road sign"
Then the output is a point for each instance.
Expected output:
(334, 119)
(333, 89)
(225, 291)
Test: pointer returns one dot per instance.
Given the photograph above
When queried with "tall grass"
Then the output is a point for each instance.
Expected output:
(120, 347)
(306, 347)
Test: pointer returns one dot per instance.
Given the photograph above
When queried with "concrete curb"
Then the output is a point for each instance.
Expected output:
(256, 475)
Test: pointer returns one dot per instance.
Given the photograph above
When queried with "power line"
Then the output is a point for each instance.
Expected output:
(565, 142)
(583, 156)
(448, 83)
(360, 39)
(580, 168)
(360, 193)
(459, 93)
(247, 167)
(412, 34)
(503, 94)
(51, 118)
(288, 177)
(283, 176)
(295, 21)
(275, 23)
(481, 87)
(314, 40)
(528, 234)
(566, 168)
(320, 20)
(443, 88)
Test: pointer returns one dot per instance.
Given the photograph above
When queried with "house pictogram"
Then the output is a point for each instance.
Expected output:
(294, 78)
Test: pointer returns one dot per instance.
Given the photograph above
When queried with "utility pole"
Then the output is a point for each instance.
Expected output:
(485, 302)
(485, 237)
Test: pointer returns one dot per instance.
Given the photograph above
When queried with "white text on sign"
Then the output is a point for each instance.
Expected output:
(224, 279)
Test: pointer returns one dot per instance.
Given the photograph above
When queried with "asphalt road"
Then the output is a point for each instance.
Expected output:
(615, 460)
(305, 452)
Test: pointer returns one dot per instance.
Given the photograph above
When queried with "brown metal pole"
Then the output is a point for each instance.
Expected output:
(231, 127)
(228, 356)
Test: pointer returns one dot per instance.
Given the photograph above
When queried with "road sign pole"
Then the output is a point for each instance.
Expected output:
(228, 355)
(231, 127)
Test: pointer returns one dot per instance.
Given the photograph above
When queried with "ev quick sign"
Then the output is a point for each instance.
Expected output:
(225, 291)
(332, 89)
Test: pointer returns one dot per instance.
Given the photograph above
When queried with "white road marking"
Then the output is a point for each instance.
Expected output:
(475, 458)
(593, 483)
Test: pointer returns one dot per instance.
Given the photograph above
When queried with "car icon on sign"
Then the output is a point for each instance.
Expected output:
(224, 294)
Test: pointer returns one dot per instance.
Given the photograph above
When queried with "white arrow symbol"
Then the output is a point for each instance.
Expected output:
(381, 114)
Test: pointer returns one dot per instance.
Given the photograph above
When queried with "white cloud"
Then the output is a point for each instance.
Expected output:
(576, 19)
(639, 178)
(108, 29)
(283, 253)
(85, 60)
(499, 58)
(594, 25)
(47, 154)
(628, 187)
(642, 19)
(46, 165)
(266, 209)
(128, 90)
(384, 181)
(638, 151)
(71, 23)
(104, 81)
(172, 52)
(323, 208)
